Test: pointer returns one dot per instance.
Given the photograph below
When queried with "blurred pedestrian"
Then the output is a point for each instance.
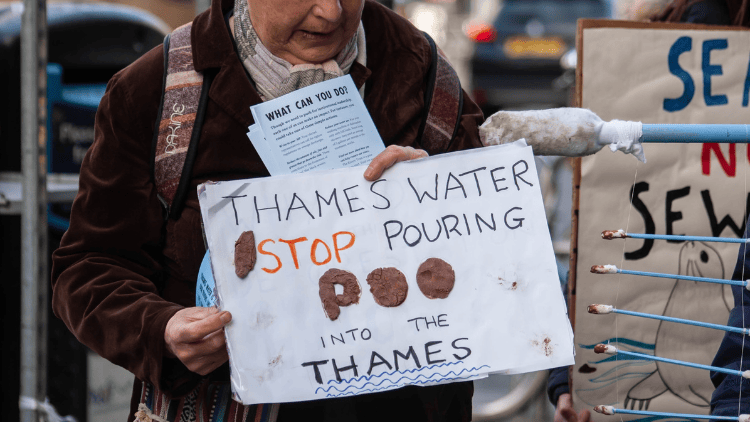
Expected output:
(709, 12)
(732, 394)
(639, 10)
(727, 398)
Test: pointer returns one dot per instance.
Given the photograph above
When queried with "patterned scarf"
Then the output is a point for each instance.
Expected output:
(274, 76)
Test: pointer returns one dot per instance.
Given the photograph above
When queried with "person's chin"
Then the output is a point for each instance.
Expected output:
(317, 47)
(317, 54)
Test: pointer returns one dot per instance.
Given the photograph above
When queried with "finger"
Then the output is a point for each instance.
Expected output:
(204, 365)
(569, 415)
(214, 360)
(381, 162)
(564, 401)
(200, 328)
(584, 416)
(389, 157)
(197, 357)
(559, 417)
(211, 343)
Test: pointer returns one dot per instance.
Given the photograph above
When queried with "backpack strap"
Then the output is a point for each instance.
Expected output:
(179, 121)
(444, 103)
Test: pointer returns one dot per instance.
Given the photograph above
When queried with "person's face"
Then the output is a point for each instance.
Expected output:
(305, 31)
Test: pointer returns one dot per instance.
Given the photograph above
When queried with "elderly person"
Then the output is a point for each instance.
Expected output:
(124, 276)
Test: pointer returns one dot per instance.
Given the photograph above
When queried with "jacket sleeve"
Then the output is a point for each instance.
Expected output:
(734, 351)
(558, 381)
(557, 384)
(106, 272)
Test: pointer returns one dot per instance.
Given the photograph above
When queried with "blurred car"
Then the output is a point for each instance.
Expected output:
(517, 57)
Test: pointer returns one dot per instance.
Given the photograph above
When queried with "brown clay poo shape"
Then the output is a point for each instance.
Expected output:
(435, 278)
(327, 290)
(388, 286)
(244, 254)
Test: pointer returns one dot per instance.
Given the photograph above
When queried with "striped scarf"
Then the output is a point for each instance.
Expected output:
(208, 402)
(274, 76)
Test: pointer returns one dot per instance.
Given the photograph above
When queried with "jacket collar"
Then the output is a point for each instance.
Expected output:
(215, 46)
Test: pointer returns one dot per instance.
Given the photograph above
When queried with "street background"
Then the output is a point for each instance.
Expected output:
(523, 73)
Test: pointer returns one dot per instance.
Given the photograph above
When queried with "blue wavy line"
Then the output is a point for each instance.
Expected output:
(616, 376)
(611, 381)
(622, 340)
(414, 380)
(411, 371)
(621, 367)
(352, 393)
(623, 357)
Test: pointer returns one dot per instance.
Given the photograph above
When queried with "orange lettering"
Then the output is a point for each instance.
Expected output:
(293, 248)
(278, 261)
(314, 248)
(336, 244)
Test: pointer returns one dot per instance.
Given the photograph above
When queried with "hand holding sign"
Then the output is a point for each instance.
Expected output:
(195, 336)
(392, 155)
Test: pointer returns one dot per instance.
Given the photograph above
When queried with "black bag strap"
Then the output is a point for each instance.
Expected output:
(443, 101)
(179, 122)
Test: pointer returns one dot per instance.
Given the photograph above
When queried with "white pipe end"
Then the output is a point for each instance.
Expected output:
(605, 410)
(604, 269)
(606, 349)
(747, 284)
(746, 374)
(613, 234)
(744, 418)
(600, 309)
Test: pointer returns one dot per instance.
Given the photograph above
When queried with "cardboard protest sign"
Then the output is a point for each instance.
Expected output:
(442, 270)
(658, 73)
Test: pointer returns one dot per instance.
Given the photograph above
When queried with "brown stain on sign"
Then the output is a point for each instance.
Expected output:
(263, 320)
(546, 346)
(586, 369)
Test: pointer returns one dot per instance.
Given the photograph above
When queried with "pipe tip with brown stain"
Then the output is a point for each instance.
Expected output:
(604, 410)
(600, 348)
(604, 269)
(613, 234)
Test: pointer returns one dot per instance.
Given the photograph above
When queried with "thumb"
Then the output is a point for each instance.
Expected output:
(569, 414)
(584, 416)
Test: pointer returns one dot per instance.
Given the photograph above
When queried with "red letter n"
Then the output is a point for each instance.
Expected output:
(729, 167)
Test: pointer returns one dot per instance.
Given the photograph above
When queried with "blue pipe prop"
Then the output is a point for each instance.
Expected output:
(620, 234)
(609, 309)
(674, 133)
(612, 350)
(609, 410)
(612, 269)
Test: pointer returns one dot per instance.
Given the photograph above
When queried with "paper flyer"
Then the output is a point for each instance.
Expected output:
(320, 127)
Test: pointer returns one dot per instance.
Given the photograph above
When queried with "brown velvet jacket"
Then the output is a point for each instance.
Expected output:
(121, 272)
